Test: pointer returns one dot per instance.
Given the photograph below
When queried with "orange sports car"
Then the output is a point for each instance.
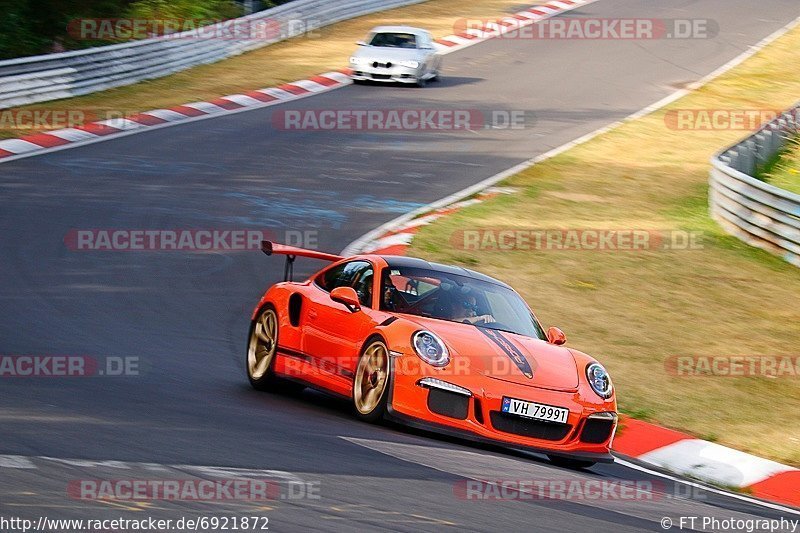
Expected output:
(432, 346)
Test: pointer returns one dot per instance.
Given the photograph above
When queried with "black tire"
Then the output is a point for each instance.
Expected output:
(566, 462)
(368, 405)
(421, 83)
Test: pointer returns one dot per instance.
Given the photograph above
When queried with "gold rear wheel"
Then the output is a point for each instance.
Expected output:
(262, 346)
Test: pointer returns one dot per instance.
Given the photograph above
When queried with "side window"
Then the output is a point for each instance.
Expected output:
(328, 280)
(362, 283)
(356, 274)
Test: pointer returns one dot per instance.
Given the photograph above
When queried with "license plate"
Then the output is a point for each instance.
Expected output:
(535, 410)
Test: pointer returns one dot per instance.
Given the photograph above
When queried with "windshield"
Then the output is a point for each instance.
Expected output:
(394, 40)
(433, 294)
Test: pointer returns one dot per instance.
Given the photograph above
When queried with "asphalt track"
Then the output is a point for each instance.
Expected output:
(185, 315)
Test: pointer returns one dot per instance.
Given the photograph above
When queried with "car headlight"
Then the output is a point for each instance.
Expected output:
(430, 348)
(599, 380)
(409, 64)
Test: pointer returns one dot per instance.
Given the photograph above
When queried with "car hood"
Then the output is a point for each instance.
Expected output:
(506, 356)
(383, 54)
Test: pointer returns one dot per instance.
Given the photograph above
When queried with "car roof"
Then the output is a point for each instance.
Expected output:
(398, 29)
(400, 261)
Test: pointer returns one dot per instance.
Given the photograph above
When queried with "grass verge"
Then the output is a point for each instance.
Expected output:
(634, 310)
(328, 49)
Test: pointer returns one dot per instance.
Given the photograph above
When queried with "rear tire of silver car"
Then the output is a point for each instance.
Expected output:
(371, 382)
(566, 462)
(421, 83)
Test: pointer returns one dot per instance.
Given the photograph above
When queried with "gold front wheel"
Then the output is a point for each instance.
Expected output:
(372, 381)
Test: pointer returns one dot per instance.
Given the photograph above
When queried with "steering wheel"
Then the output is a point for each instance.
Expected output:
(422, 300)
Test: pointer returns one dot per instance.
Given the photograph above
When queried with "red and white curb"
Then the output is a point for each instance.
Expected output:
(396, 240)
(511, 23)
(707, 461)
(36, 144)
(159, 118)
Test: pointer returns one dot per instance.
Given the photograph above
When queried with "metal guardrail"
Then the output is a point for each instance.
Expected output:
(756, 212)
(48, 77)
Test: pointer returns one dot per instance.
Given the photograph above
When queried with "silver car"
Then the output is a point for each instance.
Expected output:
(396, 54)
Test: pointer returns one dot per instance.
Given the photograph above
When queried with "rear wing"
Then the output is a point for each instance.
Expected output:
(291, 253)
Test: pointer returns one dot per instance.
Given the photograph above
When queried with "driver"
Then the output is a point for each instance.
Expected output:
(465, 308)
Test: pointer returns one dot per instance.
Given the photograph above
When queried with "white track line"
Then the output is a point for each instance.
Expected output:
(15, 461)
(21, 461)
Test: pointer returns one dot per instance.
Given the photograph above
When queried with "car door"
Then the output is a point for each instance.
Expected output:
(334, 334)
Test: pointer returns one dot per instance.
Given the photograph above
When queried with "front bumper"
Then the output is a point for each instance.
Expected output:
(393, 74)
(587, 435)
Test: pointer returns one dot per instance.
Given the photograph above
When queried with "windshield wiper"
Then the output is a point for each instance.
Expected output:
(488, 326)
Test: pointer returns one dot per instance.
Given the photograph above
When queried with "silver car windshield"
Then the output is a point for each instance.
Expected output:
(394, 40)
(445, 296)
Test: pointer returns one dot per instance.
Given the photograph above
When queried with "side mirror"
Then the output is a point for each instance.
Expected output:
(361, 43)
(346, 296)
(554, 336)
